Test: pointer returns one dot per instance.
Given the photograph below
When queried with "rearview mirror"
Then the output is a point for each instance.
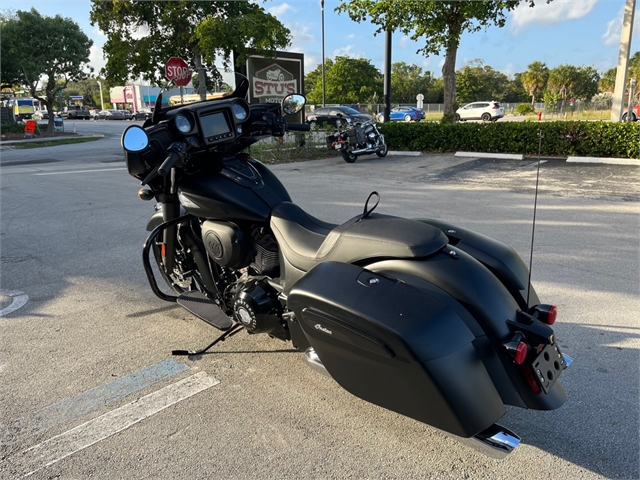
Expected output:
(292, 104)
(135, 139)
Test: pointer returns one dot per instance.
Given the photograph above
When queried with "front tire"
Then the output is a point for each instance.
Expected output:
(174, 282)
(383, 150)
(407, 118)
(348, 156)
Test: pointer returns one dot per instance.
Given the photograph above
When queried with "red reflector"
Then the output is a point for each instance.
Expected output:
(535, 388)
(163, 250)
(521, 353)
(551, 316)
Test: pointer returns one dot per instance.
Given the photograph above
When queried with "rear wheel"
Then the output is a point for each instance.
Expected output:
(485, 117)
(624, 117)
(348, 156)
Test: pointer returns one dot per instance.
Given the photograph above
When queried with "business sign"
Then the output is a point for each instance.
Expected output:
(274, 78)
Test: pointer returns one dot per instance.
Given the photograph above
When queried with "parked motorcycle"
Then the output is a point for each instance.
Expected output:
(422, 317)
(359, 139)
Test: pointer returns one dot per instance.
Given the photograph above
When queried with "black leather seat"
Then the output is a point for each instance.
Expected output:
(306, 241)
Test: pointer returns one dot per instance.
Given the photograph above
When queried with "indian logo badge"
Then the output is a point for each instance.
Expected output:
(273, 83)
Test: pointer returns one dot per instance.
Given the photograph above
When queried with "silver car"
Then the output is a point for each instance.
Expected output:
(489, 111)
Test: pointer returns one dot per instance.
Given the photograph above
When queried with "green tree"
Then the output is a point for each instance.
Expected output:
(534, 80)
(407, 81)
(347, 80)
(47, 53)
(586, 85)
(439, 24)
(562, 81)
(142, 35)
(477, 81)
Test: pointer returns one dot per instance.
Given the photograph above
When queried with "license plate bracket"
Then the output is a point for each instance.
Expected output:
(548, 366)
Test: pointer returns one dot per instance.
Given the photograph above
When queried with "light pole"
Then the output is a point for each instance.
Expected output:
(322, 5)
(101, 99)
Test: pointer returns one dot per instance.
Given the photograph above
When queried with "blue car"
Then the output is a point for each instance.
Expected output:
(403, 114)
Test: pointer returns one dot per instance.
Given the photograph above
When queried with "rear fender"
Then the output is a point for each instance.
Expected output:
(499, 258)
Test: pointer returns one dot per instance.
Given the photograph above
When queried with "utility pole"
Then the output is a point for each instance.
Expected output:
(623, 62)
(323, 90)
(387, 76)
(101, 99)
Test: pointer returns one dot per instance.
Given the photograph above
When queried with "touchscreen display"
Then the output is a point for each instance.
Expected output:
(214, 124)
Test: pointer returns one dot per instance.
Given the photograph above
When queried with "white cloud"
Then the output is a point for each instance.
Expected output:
(300, 34)
(351, 36)
(549, 13)
(348, 51)
(96, 59)
(280, 9)
(614, 28)
(405, 42)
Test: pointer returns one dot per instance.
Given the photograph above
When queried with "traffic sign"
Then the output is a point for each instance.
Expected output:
(177, 69)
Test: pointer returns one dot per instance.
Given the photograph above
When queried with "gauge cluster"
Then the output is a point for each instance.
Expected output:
(210, 123)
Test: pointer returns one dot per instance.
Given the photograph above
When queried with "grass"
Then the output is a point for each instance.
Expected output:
(53, 143)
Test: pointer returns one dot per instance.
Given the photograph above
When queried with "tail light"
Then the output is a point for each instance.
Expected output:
(517, 348)
(545, 313)
(496, 107)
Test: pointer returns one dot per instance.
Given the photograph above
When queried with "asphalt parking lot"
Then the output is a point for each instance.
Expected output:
(92, 343)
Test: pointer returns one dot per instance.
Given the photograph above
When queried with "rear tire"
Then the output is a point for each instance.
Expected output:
(485, 117)
(348, 156)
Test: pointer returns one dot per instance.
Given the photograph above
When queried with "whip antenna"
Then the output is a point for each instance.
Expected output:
(535, 206)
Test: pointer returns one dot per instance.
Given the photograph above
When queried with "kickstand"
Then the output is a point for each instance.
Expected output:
(221, 338)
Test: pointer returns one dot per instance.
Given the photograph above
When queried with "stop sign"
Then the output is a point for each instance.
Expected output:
(177, 69)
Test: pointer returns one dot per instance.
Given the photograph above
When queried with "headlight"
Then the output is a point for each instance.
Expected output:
(183, 123)
(239, 111)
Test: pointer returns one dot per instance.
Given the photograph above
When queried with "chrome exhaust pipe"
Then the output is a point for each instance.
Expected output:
(361, 151)
(313, 360)
(495, 441)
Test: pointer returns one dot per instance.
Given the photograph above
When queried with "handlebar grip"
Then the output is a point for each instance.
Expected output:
(168, 164)
(299, 127)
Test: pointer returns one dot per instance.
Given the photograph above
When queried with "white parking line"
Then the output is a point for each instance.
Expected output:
(83, 171)
(19, 300)
(61, 446)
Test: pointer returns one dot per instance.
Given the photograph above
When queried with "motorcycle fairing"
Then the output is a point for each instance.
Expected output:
(396, 346)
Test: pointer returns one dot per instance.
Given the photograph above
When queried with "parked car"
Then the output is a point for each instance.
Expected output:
(40, 115)
(142, 114)
(335, 116)
(403, 114)
(127, 114)
(485, 111)
(109, 115)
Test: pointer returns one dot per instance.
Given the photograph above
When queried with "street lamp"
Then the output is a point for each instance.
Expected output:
(322, 5)
(101, 99)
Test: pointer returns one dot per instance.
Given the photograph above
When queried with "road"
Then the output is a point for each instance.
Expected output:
(89, 388)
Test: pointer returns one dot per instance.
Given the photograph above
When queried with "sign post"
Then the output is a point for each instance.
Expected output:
(177, 70)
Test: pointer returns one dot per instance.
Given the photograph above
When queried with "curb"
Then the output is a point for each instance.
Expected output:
(399, 153)
(610, 161)
(505, 156)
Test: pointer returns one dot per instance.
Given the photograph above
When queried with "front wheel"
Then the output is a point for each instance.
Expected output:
(384, 149)
(348, 156)
(407, 118)
(177, 281)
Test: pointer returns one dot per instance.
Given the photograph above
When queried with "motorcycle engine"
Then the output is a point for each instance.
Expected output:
(257, 308)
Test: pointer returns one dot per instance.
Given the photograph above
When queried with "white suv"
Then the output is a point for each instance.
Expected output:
(485, 111)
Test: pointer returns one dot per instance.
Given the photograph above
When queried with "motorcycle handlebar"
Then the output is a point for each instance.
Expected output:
(298, 127)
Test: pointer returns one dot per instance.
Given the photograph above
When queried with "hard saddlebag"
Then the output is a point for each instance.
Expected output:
(395, 346)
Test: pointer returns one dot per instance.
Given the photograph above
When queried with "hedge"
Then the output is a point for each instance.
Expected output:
(17, 127)
(585, 139)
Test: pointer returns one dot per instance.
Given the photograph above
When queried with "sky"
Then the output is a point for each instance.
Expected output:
(579, 32)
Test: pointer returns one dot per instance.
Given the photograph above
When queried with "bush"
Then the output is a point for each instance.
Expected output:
(524, 109)
(592, 139)
(18, 127)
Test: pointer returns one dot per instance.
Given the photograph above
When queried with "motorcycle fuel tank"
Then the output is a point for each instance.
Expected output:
(242, 190)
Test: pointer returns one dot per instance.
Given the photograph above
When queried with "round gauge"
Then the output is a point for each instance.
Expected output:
(239, 111)
(183, 123)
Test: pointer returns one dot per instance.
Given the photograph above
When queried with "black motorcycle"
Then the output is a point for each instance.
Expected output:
(427, 319)
(359, 139)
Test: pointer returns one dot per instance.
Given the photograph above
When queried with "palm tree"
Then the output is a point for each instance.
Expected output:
(534, 80)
